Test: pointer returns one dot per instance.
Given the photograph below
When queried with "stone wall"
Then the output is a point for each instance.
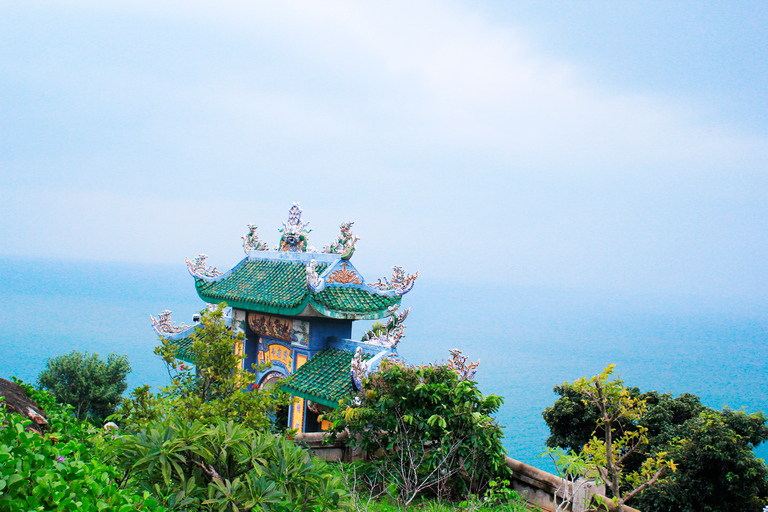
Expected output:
(538, 487)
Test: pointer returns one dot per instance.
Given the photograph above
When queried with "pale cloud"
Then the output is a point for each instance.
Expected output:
(440, 131)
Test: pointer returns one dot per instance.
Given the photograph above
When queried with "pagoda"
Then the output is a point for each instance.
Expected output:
(295, 307)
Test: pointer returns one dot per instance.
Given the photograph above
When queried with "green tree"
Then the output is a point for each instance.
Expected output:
(717, 467)
(434, 431)
(609, 453)
(215, 388)
(712, 450)
(86, 382)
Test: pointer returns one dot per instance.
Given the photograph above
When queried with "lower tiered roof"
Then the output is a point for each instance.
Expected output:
(325, 378)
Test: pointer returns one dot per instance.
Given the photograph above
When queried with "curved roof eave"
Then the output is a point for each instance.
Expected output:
(348, 315)
(253, 306)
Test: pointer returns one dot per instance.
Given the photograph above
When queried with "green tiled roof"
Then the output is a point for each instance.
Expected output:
(352, 299)
(324, 379)
(280, 287)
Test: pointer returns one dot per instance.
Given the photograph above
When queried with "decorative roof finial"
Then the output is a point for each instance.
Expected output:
(401, 282)
(294, 232)
(162, 324)
(392, 333)
(345, 244)
(314, 281)
(198, 269)
(458, 363)
(251, 241)
(359, 369)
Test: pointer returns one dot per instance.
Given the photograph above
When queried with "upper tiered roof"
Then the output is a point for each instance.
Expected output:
(294, 280)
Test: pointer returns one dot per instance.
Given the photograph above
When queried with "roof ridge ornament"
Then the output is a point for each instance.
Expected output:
(314, 281)
(345, 243)
(358, 369)
(198, 269)
(458, 363)
(392, 333)
(163, 324)
(294, 238)
(252, 242)
(401, 282)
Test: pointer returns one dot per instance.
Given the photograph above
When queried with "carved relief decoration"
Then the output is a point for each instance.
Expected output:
(391, 334)
(198, 269)
(458, 363)
(294, 232)
(344, 276)
(272, 326)
(252, 242)
(401, 282)
(163, 324)
(345, 244)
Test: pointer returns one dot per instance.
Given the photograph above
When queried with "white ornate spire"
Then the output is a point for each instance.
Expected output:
(401, 282)
(198, 269)
(314, 281)
(359, 369)
(458, 363)
(294, 238)
(345, 243)
(392, 333)
(163, 324)
(252, 242)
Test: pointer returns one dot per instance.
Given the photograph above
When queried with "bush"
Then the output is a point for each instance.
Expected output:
(225, 466)
(217, 387)
(434, 431)
(89, 384)
(60, 471)
(716, 468)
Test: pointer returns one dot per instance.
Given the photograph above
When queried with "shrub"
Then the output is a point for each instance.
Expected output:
(215, 388)
(433, 430)
(60, 471)
(225, 466)
(86, 382)
(712, 450)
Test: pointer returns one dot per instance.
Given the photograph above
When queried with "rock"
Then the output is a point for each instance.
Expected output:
(16, 400)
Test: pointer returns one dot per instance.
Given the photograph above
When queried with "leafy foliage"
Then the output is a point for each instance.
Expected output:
(86, 382)
(712, 451)
(609, 453)
(60, 471)
(717, 469)
(224, 466)
(434, 431)
(216, 388)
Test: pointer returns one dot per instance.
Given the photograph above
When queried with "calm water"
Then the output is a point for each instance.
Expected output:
(527, 340)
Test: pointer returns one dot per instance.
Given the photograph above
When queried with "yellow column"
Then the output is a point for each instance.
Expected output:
(298, 407)
(298, 415)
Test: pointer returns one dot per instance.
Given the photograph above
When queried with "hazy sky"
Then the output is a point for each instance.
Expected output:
(591, 144)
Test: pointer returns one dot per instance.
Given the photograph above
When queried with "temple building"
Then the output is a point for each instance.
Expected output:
(296, 307)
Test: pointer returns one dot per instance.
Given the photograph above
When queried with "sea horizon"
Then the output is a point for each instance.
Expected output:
(527, 339)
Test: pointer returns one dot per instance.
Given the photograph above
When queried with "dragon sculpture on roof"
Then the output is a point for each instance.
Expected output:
(294, 232)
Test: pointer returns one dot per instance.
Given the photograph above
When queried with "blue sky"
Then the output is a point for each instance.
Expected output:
(579, 145)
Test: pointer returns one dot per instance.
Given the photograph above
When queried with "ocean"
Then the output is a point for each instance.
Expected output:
(527, 339)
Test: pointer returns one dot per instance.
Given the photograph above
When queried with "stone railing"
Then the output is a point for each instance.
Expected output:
(546, 491)
(541, 489)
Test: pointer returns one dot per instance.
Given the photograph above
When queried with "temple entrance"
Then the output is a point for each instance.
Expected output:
(270, 379)
(280, 418)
